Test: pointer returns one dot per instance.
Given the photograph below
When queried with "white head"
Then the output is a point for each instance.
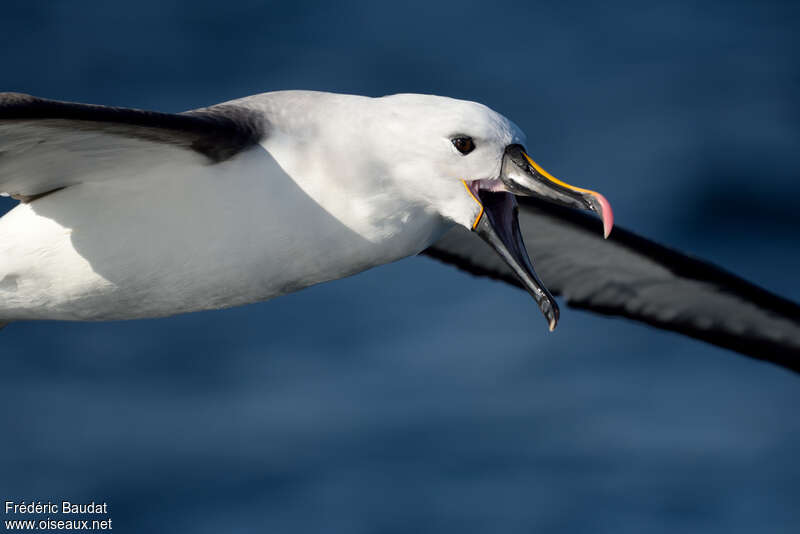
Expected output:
(467, 161)
(450, 158)
(435, 144)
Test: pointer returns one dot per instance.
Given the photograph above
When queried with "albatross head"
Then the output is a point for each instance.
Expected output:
(468, 162)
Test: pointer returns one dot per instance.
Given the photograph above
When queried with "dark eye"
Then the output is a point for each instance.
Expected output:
(465, 145)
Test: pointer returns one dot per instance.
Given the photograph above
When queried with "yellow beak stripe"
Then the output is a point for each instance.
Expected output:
(480, 213)
(553, 179)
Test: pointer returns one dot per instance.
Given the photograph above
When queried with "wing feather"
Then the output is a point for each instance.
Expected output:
(631, 276)
(48, 144)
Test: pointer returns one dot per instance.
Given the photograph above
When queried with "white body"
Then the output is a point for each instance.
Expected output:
(116, 250)
(329, 192)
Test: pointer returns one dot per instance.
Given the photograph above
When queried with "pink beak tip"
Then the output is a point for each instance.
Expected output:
(607, 214)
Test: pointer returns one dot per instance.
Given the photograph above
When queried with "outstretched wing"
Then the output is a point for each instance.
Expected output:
(633, 277)
(47, 145)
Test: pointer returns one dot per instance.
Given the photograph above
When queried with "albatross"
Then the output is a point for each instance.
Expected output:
(128, 214)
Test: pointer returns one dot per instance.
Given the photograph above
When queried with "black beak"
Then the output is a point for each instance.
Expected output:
(498, 223)
(499, 227)
(523, 176)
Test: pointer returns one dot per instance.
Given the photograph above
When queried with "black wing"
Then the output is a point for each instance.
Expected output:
(47, 144)
(630, 276)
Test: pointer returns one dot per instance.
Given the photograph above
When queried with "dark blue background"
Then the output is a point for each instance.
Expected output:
(413, 398)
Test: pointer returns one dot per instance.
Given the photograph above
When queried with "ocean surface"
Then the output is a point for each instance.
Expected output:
(384, 403)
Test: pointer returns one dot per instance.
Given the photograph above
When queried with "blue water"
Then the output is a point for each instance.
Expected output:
(413, 398)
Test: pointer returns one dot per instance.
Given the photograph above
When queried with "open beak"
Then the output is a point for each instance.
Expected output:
(498, 221)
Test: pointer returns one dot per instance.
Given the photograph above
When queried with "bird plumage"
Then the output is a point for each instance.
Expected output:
(141, 223)
(128, 213)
